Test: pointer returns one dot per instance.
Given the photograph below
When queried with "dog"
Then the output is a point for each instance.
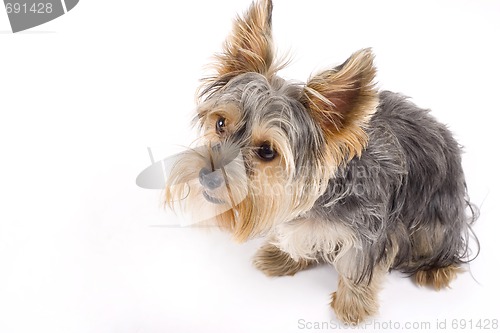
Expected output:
(329, 171)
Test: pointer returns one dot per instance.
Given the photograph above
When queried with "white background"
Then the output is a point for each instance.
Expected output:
(83, 249)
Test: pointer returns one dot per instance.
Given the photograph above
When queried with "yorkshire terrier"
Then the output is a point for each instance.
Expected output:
(331, 171)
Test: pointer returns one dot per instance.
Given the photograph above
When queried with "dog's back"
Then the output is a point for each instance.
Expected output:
(407, 192)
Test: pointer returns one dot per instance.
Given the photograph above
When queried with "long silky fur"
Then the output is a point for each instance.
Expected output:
(407, 184)
(364, 180)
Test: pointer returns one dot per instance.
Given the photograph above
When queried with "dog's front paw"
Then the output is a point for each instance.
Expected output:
(273, 262)
(352, 308)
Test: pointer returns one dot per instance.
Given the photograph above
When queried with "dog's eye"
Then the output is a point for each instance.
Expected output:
(266, 152)
(220, 125)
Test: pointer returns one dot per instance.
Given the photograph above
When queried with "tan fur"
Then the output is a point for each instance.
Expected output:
(183, 189)
(423, 242)
(279, 142)
(271, 196)
(208, 115)
(249, 47)
(274, 262)
(263, 196)
(274, 193)
(342, 101)
(355, 302)
(439, 278)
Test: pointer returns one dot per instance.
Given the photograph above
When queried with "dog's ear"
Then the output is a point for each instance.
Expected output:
(341, 101)
(249, 46)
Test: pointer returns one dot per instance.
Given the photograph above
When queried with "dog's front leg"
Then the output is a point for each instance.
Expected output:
(354, 301)
(274, 262)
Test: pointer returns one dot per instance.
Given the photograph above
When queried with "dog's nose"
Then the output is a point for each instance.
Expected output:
(217, 147)
(210, 180)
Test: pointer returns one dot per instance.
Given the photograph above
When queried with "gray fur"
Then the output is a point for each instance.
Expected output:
(408, 180)
(332, 170)
(275, 103)
(408, 184)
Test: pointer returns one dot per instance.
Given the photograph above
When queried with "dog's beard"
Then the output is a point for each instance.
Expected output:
(184, 190)
(247, 199)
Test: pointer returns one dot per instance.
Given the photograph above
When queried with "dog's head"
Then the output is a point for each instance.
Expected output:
(270, 146)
